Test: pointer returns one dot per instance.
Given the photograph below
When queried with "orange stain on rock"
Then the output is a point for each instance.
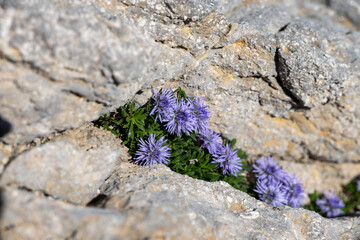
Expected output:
(304, 124)
(222, 75)
(106, 4)
(237, 206)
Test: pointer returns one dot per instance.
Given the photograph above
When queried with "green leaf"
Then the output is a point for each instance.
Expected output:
(233, 143)
(131, 131)
(180, 93)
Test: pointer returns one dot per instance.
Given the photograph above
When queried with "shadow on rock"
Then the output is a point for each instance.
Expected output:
(5, 127)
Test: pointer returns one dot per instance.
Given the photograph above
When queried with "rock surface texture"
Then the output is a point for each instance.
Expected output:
(282, 77)
(156, 203)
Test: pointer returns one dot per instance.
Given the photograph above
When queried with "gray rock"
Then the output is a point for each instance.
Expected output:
(262, 18)
(315, 61)
(44, 106)
(290, 104)
(261, 76)
(320, 177)
(61, 60)
(350, 8)
(154, 202)
(55, 219)
(192, 10)
(70, 167)
(195, 30)
(216, 208)
(282, 77)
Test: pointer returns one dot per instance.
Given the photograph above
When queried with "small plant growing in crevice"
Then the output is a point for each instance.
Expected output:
(328, 204)
(173, 129)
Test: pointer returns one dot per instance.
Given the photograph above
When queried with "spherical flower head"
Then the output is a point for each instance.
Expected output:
(201, 112)
(228, 159)
(330, 204)
(271, 192)
(211, 140)
(358, 185)
(294, 191)
(163, 103)
(152, 152)
(267, 169)
(181, 119)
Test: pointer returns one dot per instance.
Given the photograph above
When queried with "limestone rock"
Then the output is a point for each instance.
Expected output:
(322, 177)
(289, 74)
(154, 202)
(71, 64)
(55, 219)
(294, 105)
(282, 77)
(349, 8)
(216, 209)
(70, 167)
(314, 61)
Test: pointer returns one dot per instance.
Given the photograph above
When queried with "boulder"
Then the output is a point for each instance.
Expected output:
(70, 65)
(153, 202)
(281, 77)
(70, 167)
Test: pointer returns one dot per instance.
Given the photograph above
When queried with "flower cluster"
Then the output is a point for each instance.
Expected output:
(163, 102)
(152, 151)
(275, 186)
(183, 116)
(173, 129)
(228, 159)
(330, 204)
(186, 116)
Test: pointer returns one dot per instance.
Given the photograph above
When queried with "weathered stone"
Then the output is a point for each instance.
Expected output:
(312, 64)
(196, 30)
(70, 167)
(350, 8)
(154, 202)
(245, 50)
(265, 19)
(56, 220)
(61, 60)
(322, 177)
(216, 208)
(43, 107)
(282, 77)
(256, 88)
(192, 10)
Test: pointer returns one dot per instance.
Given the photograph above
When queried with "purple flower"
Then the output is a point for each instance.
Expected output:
(331, 205)
(228, 159)
(181, 119)
(152, 151)
(267, 169)
(211, 140)
(163, 103)
(271, 192)
(201, 113)
(294, 191)
(358, 185)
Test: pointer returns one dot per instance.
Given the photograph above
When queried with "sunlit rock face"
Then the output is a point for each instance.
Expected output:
(282, 77)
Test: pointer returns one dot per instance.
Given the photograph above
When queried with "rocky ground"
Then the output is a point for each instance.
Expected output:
(282, 77)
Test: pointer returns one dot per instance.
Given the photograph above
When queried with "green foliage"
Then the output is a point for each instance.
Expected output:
(351, 197)
(130, 124)
(312, 204)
